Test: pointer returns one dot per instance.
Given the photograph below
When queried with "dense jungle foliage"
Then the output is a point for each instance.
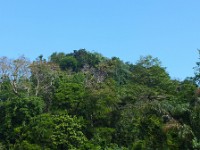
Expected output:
(85, 101)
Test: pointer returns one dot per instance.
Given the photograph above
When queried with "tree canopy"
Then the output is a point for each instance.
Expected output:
(83, 100)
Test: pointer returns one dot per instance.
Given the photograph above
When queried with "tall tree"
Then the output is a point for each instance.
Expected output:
(43, 75)
(16, 72)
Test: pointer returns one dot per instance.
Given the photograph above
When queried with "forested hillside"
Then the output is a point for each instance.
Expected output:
(83, 100)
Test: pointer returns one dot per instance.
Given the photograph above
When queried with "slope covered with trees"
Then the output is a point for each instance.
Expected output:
(83, 100)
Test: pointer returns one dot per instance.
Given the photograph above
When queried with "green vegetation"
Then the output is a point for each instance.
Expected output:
(85, 101)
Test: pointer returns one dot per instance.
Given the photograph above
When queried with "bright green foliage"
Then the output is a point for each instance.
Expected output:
(17, 113)
(99, 105)
(68, 96)
(55, 132)
(83, 100)
(67, 132)
(25, 145)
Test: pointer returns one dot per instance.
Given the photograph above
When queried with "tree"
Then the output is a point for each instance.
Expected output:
(15, 72)
(17, 113)
(82, 100)
(43, 76)
(68, 96)
(148, 71)
(58, 131)
(68, 62)
(197, 71)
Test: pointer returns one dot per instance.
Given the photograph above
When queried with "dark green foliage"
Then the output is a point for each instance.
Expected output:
(69, 62)
(83, 100)
(76, 60)
(5, 89)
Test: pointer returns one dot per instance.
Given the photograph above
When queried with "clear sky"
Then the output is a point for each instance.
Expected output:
(167, 29)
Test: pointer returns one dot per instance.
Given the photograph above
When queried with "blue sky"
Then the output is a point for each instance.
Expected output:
(128, 29)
